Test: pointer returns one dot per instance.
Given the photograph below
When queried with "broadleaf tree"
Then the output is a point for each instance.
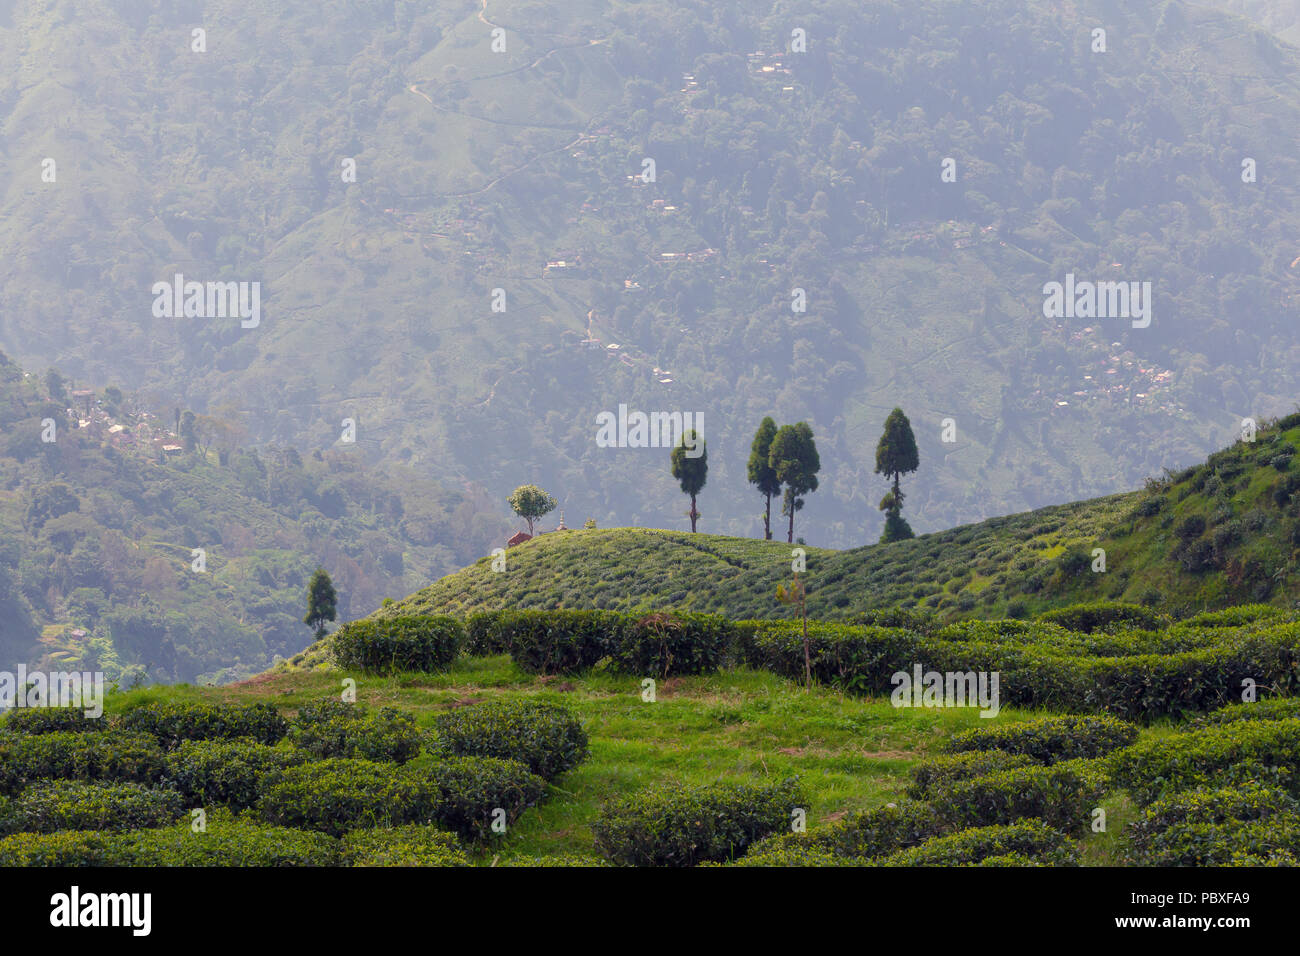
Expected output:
(531, 503)
(322, 602)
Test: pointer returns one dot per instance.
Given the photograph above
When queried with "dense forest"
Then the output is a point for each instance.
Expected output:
(153, 555)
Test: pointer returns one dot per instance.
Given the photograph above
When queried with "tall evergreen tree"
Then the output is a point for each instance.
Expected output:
(691, 473)
(896, 455)
(322, 602)
(794, 460)
(761, 474)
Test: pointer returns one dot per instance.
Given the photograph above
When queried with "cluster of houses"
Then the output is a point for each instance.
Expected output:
(145, 435)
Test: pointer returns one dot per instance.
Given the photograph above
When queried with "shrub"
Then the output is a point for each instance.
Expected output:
(560, 860)
(1238, 616)
(341, 794)
(1190, 814)
(45, 720)
(559, 642)
(401, 846)
(226, 771)
(72, 805)
(337, 729)
(1050, 739)
(684, 826)
(111, 756)
(65, 848)
(1103, 614)
(1062, 795)
(547, 738)
(427, 643)
(483, 634)
(795, 853)
(661, 643)
(856, 659)
(227, 841)
(471, 789)
(173, 721)
(1023, 839)
(1274, 708)
(1258, 842)
(1152, 768)
(943, 771)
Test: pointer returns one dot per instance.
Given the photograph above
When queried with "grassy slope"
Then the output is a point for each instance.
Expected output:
(1015, 564)
(741, 725)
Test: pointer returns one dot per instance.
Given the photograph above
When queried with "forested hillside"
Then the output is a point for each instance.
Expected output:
(123, 552)
(774, 170)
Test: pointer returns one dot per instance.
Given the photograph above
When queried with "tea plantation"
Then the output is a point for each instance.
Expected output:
(597, 738)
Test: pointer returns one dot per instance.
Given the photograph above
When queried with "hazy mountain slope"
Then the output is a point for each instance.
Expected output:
(1280, 17)
(118, 556)
(1221, 533)
(475, 169)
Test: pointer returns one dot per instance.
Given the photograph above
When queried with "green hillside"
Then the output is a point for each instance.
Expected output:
(519, 171)
(1222, 533)
(124, 552)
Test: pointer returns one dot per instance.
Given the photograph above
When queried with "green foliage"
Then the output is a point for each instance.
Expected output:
(337, 729)
(1153, 767)
(760, 472)
(228, 841)
(174, 721)
(1194, 827)
(387, 645)
(660, 644)
(865, 834)
(1104, 615)
(338, 794)
(322, 602)
(65, 848)
(690, 466)
(107, 756)
(531, 503)
(1274, 708)
(941, 772)
(547, 739)
(684, 826)
(1062, 795)
(401, 846)
(1049, 739)
(1031, 839)
(793, 460)
(44, 720)
(227, 772)
(48, 806)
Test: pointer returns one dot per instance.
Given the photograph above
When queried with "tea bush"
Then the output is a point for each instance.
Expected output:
(386, 645)
(106, 756)
(401, 846)
(1050, 739)
(547, 738)
(338, 729)
(684, 826)
(72, 805)
(1031, 839)
(173, 721)
(229, 772)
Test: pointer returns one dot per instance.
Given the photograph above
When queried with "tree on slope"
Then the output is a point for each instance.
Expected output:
(531, 503)
(691, 470)
(794, 460)
(322, 602)
(896, 455)
(761, 474)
